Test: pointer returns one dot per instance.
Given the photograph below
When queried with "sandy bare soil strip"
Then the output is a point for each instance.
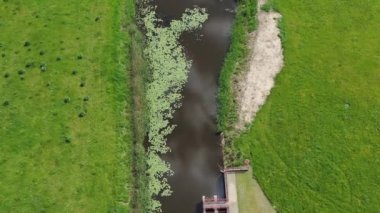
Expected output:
(266, 61)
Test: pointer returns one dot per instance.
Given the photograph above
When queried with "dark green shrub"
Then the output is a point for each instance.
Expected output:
(5, 103)
(81, 114)
(82, 84)
(86, 98)
(67, 139)
(27, 44)
(97, 19)
(66, 100)
(58, 58)
(42, 52)
(74, 72)
(3, 55)
(6, 75)
(21, 72)
(22, 77)
(29, 65)
(79, 57)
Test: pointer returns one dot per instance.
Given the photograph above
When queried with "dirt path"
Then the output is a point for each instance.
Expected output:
(266, 61)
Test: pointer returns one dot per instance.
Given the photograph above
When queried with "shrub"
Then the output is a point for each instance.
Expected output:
(86, 98)
(67, 139)
(21, 72)
(5, 103)
(81, 114)
(6, 75)
(29, 65)
(27, 44)
(79, 57)
(58, 59)
(74, 72)
(43, 67)
(66, 100)
(42, 52)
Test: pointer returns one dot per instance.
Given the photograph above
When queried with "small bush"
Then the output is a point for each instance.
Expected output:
(22, 78)
(21, 72)
(74, 72)
(97, 19)
(67, 139)
(5, 103)
(79, 57)
(27, 44)
(3, 55)
(81, 114)
(43, 67)
(66, 100)
(58, 59)
(42, 52)
(6, 75)
(266, 7)
(86, 98)
(29, 65)
(82, 84)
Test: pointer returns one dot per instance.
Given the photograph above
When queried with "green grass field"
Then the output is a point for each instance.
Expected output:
(315, 145)
(65, 132)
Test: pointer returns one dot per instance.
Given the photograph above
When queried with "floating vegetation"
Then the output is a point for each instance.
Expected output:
(169, 68)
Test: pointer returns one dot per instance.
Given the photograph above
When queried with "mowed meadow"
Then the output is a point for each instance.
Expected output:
(65, 127)
(315, 145)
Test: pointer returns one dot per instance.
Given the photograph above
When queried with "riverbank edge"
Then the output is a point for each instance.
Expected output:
(235, 62)
(136, 76)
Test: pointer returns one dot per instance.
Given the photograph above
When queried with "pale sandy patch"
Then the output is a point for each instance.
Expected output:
(265, 62)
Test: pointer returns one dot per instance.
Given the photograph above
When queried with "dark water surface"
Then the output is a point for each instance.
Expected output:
(196, 151)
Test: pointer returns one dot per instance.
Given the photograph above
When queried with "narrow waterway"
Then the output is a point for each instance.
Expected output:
(196, 152)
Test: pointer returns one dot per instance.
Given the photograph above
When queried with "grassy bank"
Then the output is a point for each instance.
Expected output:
(66, 139)
(235, 61)
(315, 143)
